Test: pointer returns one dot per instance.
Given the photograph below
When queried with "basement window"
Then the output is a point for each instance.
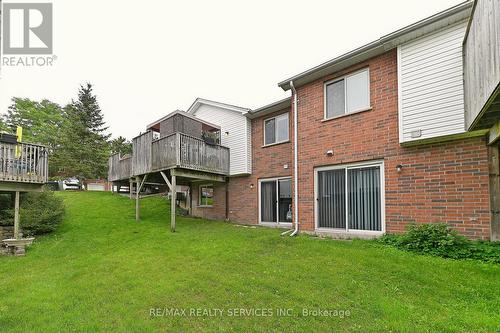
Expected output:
(276, 129)
(348, 94)
(206, 196)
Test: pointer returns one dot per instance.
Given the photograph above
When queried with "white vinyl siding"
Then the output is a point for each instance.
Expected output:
(249, 145)
(235, 134)
(431, 92)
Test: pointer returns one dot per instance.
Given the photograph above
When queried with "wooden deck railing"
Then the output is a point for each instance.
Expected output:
(195, 154)
(24, 162)
(119, 167)
(184, 151)
(481, 61)
(174, 151)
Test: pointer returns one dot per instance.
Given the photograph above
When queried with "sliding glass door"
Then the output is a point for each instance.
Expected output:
(276, 201)
(349, 198)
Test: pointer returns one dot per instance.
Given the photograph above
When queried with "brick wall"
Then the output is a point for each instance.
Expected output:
(267, 162)
(446, 182)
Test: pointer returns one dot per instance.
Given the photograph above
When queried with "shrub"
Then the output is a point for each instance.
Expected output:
(41, 213)
(438, 239)
(4, 207)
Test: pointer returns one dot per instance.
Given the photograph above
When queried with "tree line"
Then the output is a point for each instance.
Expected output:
(76, 134)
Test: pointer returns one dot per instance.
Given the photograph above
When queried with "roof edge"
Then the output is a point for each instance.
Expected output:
(270, 108)
(198, 101)
(183, 113)
(379, 43)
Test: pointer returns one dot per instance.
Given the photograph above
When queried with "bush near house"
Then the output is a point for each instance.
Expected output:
(41, 212)
(437, 239)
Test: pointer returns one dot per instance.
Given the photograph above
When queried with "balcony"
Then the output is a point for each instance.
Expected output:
(176, 150)
(119, 167)
(481, 62)
(23, 163)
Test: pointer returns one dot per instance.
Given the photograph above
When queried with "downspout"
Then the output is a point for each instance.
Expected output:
(227, 198)
(295, 162)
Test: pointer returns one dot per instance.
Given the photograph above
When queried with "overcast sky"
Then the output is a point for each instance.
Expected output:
(147, 58)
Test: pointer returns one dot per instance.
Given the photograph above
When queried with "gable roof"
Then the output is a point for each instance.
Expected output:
(201, 101)
(270, 108)
(156, 124)
(383, 44)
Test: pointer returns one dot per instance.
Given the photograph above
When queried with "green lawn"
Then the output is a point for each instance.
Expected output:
(103, 272)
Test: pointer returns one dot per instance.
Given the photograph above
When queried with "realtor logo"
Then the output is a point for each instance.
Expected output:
(27, 28)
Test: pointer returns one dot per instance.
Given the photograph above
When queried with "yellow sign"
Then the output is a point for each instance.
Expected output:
(19, 134)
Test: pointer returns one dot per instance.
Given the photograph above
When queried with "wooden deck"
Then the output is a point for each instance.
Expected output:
(482, 65)
(23, 163)
(174, 151)
(119, 167)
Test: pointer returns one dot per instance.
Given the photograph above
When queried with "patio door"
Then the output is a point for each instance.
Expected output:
(275, 201)
(350, 198)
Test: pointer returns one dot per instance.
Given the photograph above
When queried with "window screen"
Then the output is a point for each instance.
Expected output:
(270, 131)
(335, 99)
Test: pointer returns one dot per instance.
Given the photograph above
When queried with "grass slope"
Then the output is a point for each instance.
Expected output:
(102, 272)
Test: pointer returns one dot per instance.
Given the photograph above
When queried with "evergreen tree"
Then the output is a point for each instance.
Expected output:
(85, 148)
(121, 145)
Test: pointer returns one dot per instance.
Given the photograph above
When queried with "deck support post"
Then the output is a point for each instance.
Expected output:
(188, 200)
(137, 205)
(494, 171)
(16, 216)
(131, 184)
(139, 184)
(173, 200)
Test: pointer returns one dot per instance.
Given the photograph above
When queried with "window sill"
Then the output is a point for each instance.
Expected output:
(275, 144)
(343, 233)
(205, 206)
(347, 114)
(283, 225)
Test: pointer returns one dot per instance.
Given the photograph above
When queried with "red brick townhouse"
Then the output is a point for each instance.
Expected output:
(368, 142)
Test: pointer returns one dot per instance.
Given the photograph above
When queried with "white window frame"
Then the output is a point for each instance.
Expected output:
(346, 230)
(199, 194)
(337, 79)
(275, 129)
(273, 224)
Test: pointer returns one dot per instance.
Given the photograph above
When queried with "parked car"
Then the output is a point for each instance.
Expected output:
(53, 185)
(71, 184)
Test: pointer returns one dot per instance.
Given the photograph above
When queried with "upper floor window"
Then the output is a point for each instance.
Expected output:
(276, 129)
(348, 94)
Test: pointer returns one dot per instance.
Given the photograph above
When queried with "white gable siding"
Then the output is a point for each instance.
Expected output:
(236, 125)
(249, 145)
(431, 95)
